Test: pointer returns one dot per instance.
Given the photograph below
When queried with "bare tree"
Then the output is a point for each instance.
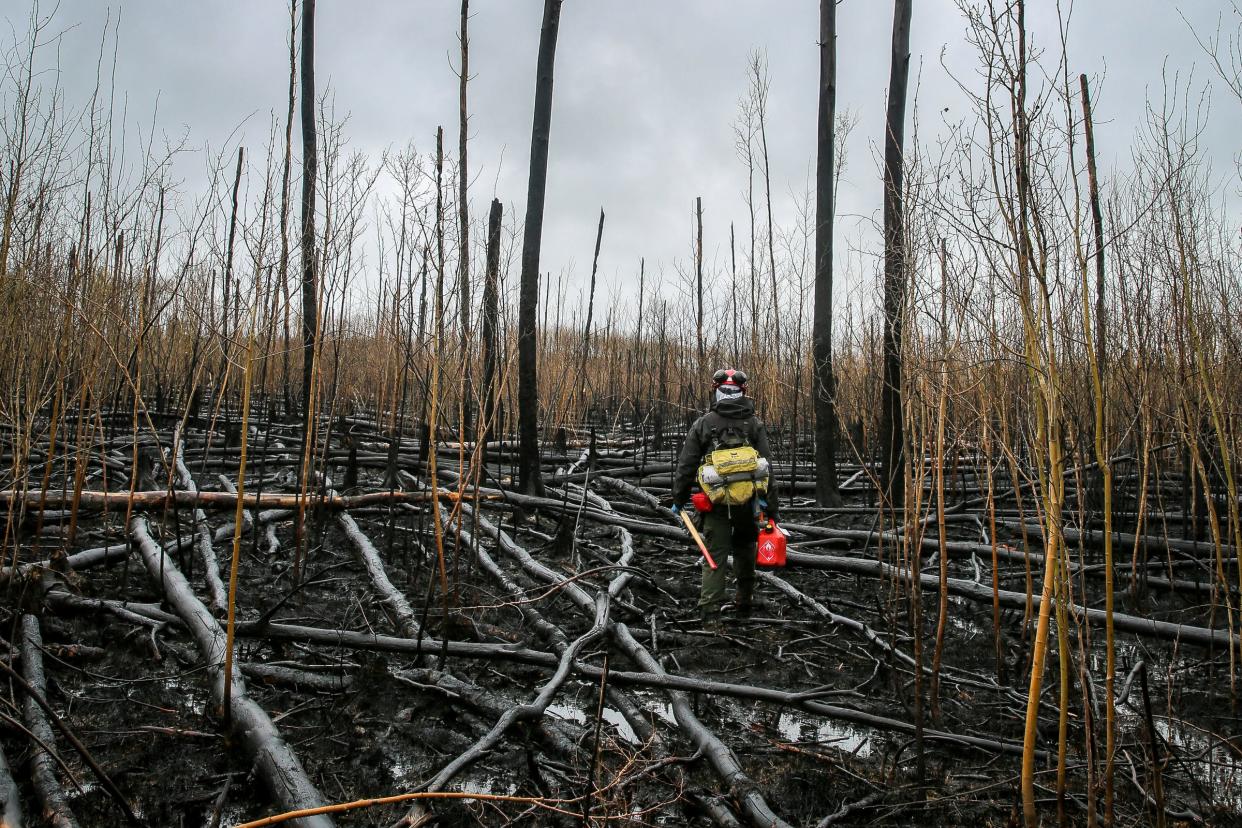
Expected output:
(30, 133)
(744, 144)
(286, 165)
(761, 83)
(698, 283)
(463, 221)
(891, 438)
(491, 318)
(581, 380)
(824, 382)
(310, 164)
(530, 479)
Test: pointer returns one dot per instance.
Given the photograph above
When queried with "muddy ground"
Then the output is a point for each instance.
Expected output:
(383, 723)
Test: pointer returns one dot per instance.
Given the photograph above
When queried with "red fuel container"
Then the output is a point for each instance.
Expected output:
(771, 546)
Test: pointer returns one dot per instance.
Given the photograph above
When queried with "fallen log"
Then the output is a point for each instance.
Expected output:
(1152, 543)
(10, 798)
(216, 500)
(203, 542)
(278, 766)
(48, 790)
(295, 678)
(403, 615)
(79, 560)
(646, 498)
(143, 615)
(1200, 636)
(393, 644)
(118, 551)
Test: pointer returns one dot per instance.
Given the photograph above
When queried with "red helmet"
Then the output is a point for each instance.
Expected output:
(729, 376)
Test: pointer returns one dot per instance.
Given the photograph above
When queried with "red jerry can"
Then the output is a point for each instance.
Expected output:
(771, 546)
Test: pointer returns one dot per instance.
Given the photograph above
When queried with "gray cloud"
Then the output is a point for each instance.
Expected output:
(646, 93)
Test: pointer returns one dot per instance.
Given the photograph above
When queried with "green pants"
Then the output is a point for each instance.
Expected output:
(729, 530)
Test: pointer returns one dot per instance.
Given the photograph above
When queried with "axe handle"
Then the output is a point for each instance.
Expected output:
(694, 533)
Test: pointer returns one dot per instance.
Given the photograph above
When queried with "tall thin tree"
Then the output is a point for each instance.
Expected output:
(463, 221)
(581, 383)
(1099, 366)
(491, 319)
(286, 166)
(826, 425)
(310, 166)
(698, 283)
(530, 479)
(891, 436)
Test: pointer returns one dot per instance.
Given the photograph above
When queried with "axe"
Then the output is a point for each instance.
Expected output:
(694, 533)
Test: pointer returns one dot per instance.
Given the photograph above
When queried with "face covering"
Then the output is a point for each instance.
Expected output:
(728, 392)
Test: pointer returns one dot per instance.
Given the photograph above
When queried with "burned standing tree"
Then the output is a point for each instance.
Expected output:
(531, 480)
(581, 380)
(1103, 450)
(285, 175)
(463, 225)
(310, 166)
(491, 322)
(824, 381)
(892, 442)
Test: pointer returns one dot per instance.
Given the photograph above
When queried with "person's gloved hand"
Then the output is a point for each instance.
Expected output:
(678, 508)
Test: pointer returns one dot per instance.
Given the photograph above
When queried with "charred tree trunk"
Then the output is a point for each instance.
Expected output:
(491, 319)
(891, 437)
(463, 222)
(286, 166)
(228, 261)
(310, 165)
(581, 380)
(824, 381)
(530, 479)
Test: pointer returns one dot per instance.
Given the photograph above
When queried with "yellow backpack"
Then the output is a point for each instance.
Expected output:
(733, 474)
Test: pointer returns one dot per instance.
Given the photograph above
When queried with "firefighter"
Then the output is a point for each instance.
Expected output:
(731, 434)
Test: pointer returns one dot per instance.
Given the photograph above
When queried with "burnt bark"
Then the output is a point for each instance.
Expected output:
(891, 430)
(491, 322)
(530, 478)
(826, 426)
(463, 226)
(310, 167)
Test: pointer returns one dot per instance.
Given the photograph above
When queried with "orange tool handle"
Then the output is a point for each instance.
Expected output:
(694, 533)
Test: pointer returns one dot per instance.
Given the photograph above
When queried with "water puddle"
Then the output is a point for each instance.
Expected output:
(568, 712)
(572, 713)
(809, 730)
(614, 718)
(790, 726)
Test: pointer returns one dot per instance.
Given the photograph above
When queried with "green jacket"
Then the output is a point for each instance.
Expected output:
(739, 413)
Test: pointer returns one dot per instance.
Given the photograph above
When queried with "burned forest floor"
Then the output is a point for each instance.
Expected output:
(541, 660)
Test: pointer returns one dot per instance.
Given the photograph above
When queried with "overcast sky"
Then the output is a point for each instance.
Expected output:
(646, 93)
